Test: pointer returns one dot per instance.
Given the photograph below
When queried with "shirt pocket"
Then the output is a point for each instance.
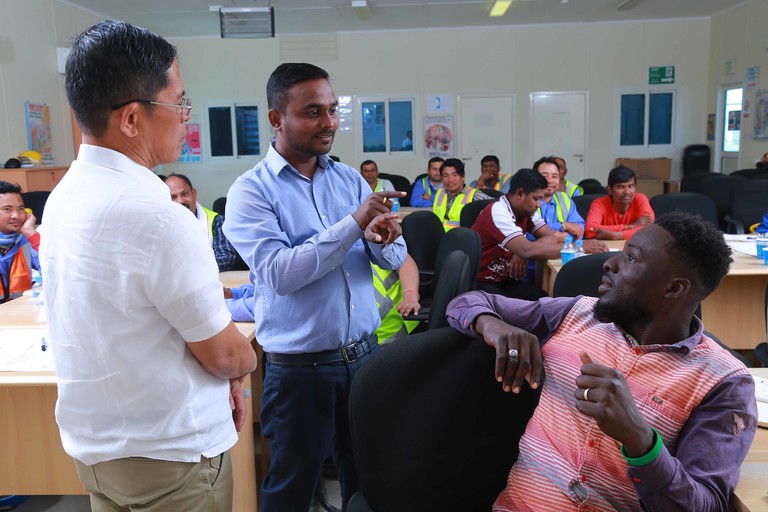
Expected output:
(665, 415)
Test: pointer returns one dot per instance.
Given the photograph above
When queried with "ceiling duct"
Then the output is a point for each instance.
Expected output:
(247, 22)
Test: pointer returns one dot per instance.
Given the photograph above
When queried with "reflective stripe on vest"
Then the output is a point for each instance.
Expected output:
(562, 206)
(388, 292)
(426, 186)
(454, 214)
(379, 185)
(571, 188)
(210, 215)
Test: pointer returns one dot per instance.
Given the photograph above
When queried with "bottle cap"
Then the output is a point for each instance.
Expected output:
(568, 239)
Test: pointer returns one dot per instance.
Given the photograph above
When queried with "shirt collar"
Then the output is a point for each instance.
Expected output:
(276, 163)
(685, 345)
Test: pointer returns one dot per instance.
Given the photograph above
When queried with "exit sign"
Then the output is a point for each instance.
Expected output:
(661, 75)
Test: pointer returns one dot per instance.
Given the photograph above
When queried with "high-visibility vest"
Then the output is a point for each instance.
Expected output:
(19, 277)
(503, 179)
(441, 200)
(379, 185)
(562, 206)
(571, 188)
(210, 215)
(389, 292)
(425, 184)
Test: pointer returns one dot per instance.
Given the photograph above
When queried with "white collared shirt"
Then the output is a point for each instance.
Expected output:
(129, 276)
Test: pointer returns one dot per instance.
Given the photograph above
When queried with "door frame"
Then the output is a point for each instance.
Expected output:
(459, 112)
(719, 121)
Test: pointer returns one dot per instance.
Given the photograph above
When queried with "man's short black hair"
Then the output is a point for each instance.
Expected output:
(455, 163)
(181, 177)
(545, 160)
(368, 162)
(621, 174)
(9, 188)
(490, 158)
(110, 63)
(528, 180)
(699, 246)
(435, 159)
(286, 76)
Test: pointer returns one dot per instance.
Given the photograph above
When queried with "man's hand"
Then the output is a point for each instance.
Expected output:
(409, 305)
(612, 406)
(604, 234)
(227, 293)
(504, 337)
(517, 267)
(375, 204)
(237, 403)
(594, 246)
(28, 227)
(383, 228)
(643, 220)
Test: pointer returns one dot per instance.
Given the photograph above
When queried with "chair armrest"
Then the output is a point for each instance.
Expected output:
(734, 225)
(423, 315)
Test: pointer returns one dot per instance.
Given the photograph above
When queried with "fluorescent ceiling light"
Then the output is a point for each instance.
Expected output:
(628, 5)
(243, 22)
(500, 7)
(361, 9)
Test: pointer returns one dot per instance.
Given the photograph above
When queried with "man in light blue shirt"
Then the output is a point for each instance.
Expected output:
(557, 208)
(425, 189)
(309, 228)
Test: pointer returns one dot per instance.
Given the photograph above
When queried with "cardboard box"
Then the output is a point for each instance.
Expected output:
(650, 187)
(648, 168)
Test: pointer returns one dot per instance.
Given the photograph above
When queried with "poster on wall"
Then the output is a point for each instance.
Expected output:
(438, 136)
(710, 127)
(734, 120)
(191, 152)
(39, 130)
(760, 126)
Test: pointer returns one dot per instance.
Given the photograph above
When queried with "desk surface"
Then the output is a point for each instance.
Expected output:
(31, 440)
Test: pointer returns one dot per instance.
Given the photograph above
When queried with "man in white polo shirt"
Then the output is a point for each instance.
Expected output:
(147, 359)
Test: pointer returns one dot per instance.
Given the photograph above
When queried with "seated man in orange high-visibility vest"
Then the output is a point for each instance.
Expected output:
(451, 199)
(18, 243)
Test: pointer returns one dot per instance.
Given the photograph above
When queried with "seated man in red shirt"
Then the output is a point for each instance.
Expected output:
(502, 226)
(621, 213)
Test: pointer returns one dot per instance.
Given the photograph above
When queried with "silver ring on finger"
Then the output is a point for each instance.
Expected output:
(586, 395)
(513, 354)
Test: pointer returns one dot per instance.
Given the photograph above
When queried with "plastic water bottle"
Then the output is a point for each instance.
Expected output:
(568, 252)
(579, 249)
(395, 204)
(37, 287)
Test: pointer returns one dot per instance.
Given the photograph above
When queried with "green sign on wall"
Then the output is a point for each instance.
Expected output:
(661, 75)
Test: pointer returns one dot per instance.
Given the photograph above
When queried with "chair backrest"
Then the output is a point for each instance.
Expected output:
(471, 210)
(592, 186)
(417, 178)
(423, 232)
(749, 202)
(718, 188)
(219, 205)
(583, 202)
(692, 182)
(35, 201)
(454, 279)
(492, 192)
(735, 354)
(458, 239)
(691, 202)
(400, 183)
(431, 428)
(581, 276)
(750, 173)
(696, 158)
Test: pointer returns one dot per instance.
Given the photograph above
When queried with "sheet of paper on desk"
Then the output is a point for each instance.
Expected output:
(748, 247)
(21, 350)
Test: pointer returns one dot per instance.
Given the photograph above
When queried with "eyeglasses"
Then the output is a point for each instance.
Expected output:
(185, 105)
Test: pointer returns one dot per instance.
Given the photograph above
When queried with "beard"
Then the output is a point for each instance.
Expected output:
(623, 313)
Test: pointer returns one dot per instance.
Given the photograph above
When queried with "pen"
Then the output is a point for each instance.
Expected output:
(43, 343)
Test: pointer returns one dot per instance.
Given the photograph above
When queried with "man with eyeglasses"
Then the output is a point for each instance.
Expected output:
(185, 194)
(148, 362)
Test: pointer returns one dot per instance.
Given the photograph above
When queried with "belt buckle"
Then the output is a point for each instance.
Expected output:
(345, 353)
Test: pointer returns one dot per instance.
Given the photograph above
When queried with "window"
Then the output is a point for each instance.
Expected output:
(732, 119)
(233, 129)
(387, 126)
(646, 118)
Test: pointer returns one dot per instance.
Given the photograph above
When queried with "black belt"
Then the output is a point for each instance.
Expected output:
(344, 355)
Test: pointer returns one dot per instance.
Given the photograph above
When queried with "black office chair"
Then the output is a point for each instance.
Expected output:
(761, 354)
(581, 276)
(691, 202)
(460, 239)
(592, 186)
(456, 277)
(35, 201)
(750, 173)
(696, 158)
(718, 188)
(749, 202)
(471, 211)
(693, 182)
(584, 201)
(400, 183)
(431, 428)
(219, 205)
(735, 354)
(423, 232)
(492, 192)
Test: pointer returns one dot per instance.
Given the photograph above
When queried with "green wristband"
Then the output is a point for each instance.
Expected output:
(648, 457)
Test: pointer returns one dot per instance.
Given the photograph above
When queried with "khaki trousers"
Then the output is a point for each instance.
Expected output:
(149, 485)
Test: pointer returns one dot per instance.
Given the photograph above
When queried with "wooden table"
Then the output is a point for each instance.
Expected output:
(752, 492)
(34, 461)
(735, 312)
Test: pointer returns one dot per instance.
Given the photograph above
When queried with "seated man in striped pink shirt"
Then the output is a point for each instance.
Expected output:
(639, 409)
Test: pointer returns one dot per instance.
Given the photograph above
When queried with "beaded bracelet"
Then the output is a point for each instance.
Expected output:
(648, 457)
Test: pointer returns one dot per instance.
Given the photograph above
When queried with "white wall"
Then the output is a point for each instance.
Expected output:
(596, 58)
(740, 34)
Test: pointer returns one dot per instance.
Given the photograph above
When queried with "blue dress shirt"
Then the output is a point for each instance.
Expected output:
(418, 191)
(549, 214)
(310, 265)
